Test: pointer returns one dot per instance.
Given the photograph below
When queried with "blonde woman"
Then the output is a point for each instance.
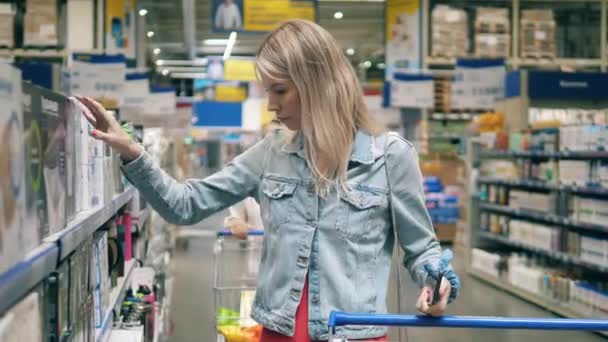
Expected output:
(334, 192)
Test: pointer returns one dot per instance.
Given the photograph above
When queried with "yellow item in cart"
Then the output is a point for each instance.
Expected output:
(234, 333)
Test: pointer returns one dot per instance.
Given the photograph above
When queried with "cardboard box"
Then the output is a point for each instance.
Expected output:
(23, 322)
(7, 25)
(537, 34)
(41, 23)
(53, 127)
(12, 168)
(449, 36)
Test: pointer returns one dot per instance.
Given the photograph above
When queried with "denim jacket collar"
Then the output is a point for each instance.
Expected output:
(364, 149)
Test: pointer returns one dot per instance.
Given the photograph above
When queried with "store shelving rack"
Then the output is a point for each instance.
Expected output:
(514, 60)
(487, 240)
(20, 279)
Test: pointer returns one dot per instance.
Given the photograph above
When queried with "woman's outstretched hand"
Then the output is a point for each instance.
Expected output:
(107, 129)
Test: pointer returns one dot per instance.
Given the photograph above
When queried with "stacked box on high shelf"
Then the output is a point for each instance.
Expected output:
(492, 32)
(12, 170)
(7, 22)
(41, 23)
(537, 34)
(449, 36)
(23, 322)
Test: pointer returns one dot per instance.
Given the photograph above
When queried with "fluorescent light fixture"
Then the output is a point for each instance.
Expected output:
(160, 62)
(367, 64)
(350, 51)
(157, 51)
(230, 45)
(381, 65)
(143, 12)
(192, 75)
(338, 15)
(216, 42)
(182, 62)
(150, 34)
(165, 72)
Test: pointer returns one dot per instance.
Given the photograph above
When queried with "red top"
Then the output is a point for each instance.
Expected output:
(301, 331)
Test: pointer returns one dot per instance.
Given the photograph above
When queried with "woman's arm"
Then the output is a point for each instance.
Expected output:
(179, 203)
(413, 224)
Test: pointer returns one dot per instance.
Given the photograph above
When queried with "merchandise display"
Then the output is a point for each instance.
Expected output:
(41, 23)
(537, 37)
(492, 32)
(7, 22)
(23, 322)
(449, 36)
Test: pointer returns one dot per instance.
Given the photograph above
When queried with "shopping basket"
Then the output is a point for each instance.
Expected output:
(337, 318)
(235, 268)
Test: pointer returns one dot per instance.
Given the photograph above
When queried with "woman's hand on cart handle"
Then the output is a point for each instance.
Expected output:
(107, 129)
(425, 299)
(238, 227)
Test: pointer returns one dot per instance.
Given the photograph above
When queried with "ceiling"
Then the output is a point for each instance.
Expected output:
(361, 28)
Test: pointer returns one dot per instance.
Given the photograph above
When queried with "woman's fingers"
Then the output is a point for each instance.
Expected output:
(422, 304)
(85, 111)
(96, 109)
(444, 295)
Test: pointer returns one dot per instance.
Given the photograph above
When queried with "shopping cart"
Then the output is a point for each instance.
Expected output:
(235, 268)
(337, 318)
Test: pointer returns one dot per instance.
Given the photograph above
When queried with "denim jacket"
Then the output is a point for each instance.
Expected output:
(344, 244)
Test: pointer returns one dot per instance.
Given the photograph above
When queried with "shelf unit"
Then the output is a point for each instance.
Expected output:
(557, 256)
(116, 298)
(599, 155)
(543, 218)
(514, 60)
(17, 281)
(543, 302)
(544, 186)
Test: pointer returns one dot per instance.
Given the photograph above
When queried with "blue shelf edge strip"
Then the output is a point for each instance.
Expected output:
(19, 279)
(478, 322)
(542, 185)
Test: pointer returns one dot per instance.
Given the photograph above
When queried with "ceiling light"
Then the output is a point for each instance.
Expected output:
(338, 15)
(230, 45)
(160, 62)
(381, 65)
(165, 72)
(150, 34)
(367, 64)
(215, 41)
(157, 51)
(143, 12)
(350, 51)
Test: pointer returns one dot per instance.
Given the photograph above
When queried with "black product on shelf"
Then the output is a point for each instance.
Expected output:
(35, 196)
(57, 323)
(54, 144)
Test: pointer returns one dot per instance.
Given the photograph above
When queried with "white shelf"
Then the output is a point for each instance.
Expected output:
(41, 52)
(525, 62)
(556, 308)
(116, 298)
(87, 222)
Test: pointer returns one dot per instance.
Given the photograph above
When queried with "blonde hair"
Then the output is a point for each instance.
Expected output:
(331, 97)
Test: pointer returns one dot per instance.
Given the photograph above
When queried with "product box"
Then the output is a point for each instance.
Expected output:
(40, 26)
(23, 322)
(449, 32)
(54, 132)
(492, 32)
(537, 34)
(35, 225)
(7, 23)
(12, 168)
(72, 118)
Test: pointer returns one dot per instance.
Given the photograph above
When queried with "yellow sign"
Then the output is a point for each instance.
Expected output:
(267, 116)
(115, 12)
(394, 14)
(239, 70)
(265, 15)
(230, 94)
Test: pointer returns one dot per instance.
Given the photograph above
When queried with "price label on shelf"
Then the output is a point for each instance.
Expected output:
(412, 91)
(478, 83)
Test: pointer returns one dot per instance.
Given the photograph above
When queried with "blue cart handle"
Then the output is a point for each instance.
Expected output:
(251, 232)
(342, 318)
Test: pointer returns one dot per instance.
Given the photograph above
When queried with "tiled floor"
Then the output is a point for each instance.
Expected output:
(193, 311)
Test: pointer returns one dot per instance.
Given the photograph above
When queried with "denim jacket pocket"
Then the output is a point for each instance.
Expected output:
(277, 202)
(360, 210)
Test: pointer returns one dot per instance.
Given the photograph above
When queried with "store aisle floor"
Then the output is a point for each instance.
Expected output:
(192, 303)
